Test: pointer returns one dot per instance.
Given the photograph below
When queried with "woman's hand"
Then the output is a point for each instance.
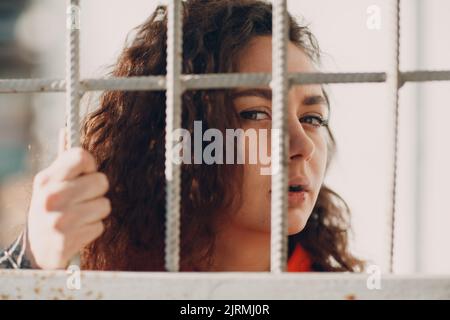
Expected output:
(67, 208)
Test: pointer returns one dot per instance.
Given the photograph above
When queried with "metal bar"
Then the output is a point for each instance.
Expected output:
(317, 78)
(212, 81)
(72, 81)
(394, 86)
(425, 76)
(190, 82)
(420, 130)
(32, 85)
(130, 83)
(173, 122)
(280, 139)
(73, 72)
(33, 284)
(226, 80)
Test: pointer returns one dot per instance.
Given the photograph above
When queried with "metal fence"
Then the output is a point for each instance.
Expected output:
(19, 284)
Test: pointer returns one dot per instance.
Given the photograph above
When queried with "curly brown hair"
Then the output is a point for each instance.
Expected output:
(126, 136)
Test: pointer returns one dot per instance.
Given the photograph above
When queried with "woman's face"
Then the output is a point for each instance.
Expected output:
(307, 139)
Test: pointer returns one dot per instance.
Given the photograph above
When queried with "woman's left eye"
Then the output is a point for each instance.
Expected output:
(315, 121)
(254, 115)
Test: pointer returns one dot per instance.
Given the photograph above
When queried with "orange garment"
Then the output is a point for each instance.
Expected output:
(299, 260)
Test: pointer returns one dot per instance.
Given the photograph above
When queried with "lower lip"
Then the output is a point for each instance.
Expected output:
(296, 199)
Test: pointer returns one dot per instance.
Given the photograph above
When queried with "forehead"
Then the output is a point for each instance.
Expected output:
(257, 57)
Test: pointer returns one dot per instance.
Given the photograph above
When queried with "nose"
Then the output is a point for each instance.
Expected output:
(301, 146)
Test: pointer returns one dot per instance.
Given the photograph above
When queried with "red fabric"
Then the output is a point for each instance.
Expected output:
(299, 260)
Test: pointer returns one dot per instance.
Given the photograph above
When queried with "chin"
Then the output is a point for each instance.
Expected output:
(297, 219)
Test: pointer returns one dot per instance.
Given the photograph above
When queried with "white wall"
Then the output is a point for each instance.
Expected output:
(362, 121)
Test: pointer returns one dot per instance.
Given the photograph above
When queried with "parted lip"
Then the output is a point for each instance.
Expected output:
(300, 181)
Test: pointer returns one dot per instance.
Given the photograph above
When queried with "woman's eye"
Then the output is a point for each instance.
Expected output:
(315, 121)
(254, 115)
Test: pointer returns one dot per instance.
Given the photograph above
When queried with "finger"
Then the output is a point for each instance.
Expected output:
(72, 163)
(84, 236)
(61, 195)
(86, 213)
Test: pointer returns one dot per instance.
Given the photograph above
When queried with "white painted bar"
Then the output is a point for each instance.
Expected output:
(73, 93)
(36, 284)
(189, 82)
(211, 81)
(280, 139)
(173, 122)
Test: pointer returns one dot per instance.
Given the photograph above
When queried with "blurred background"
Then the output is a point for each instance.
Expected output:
(355, 36)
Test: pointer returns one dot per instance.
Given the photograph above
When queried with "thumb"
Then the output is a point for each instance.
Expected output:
(62, 141)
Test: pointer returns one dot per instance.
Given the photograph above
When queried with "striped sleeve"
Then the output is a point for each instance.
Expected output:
(14, 256)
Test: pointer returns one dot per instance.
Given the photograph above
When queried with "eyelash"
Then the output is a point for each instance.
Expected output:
(320, 121)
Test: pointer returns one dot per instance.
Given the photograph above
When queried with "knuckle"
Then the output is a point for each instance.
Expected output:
(79, 154)
(60, 225)
(52, 200)
(102, 181)
(40, 179)
(83, 157)
(106, 204)
(100, 227)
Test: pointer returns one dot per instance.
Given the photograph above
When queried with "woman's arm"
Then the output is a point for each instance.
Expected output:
(14, 256)
(67, 209)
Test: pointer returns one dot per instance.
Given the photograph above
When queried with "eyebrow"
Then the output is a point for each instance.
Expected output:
(308, 100)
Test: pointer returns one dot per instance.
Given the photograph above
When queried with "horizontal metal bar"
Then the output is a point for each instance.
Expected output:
(315, 78)
(226, 80)
(422, 76)
(32, 85)
(210, 81)
(33, 284)
(129, 84)
(59, 85)
(190, 82)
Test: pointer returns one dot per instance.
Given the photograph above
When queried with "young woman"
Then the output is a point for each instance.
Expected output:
(108, 198)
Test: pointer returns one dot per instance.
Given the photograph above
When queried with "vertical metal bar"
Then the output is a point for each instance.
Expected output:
(394, 85)
(173, 121)
(72, 80)
(420, 143)
(280, 139)
(73, 72)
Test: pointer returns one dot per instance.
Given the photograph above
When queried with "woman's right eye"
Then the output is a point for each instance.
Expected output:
(254, 115)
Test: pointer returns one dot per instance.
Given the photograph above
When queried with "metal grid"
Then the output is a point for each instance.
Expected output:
(175, 83)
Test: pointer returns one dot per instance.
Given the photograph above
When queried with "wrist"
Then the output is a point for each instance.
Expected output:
(28, 254)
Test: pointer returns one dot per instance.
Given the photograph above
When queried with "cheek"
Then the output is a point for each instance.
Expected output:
(256, 187)
(319, 161)
(255, 211)
(322, 150)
